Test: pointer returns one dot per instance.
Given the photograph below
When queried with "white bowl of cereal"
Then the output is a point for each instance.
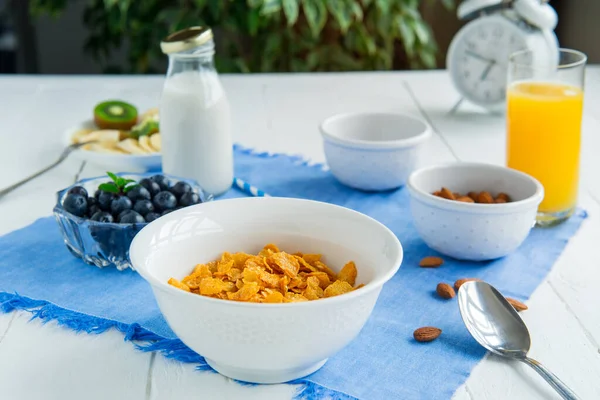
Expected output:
(473, 211)
(264, 342)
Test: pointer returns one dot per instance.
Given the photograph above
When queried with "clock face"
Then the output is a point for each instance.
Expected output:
(478, 58)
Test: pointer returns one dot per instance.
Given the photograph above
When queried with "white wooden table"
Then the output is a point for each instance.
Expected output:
(280, 113)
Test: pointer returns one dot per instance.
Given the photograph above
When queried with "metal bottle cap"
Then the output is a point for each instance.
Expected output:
(186, 39)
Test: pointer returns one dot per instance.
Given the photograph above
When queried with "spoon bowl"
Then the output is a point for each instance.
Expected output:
(495, 324)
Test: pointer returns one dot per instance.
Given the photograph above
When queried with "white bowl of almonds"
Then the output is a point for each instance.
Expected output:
(119, 138)
(473, 211)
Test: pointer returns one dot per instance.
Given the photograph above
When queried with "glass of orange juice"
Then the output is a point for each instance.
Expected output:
(543, 122)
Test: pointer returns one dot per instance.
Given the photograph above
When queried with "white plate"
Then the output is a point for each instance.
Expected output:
(113, 162)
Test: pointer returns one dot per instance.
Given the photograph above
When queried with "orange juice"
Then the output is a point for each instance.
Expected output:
(543, 138)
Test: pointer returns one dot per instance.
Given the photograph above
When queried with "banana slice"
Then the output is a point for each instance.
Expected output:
(76, 138)
(103, 135)
(131, 146)
(150, 113)
(155, 141)
(103, 148)
(144, 142)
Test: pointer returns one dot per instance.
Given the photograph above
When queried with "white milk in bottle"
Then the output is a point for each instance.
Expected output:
(195, 121)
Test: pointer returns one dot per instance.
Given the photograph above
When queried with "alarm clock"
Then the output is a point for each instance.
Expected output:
(478, 55)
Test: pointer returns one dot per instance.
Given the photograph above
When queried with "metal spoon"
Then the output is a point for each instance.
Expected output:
(495, 324)
(62, 158)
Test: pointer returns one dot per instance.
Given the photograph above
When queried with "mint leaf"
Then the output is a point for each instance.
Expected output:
(109, 187)
(126, 181)
(128, 188)
(112, 176)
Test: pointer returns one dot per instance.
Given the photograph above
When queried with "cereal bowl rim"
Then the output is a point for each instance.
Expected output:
(165, 287)
(497, 208)
(412, 141)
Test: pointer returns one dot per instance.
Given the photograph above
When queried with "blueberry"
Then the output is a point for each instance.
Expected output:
(162, 181)
(166, 212)
(120, 204)
(120, 215)
(180, 188)
(105, 199)
(165, 201)
(138, 192)
(131, 217)
(151, 216)
(92, 206)
(150, 186)
(92, 210)
(189, 198)
(78, 190)
(76, 204)
(102, 216)
(143, 207)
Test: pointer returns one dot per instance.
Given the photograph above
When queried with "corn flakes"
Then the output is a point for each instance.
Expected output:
(271, 276)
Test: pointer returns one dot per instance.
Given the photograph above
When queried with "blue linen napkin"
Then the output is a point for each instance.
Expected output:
(383, 362)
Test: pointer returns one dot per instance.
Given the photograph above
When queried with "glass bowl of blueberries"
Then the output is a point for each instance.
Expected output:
(98, 217)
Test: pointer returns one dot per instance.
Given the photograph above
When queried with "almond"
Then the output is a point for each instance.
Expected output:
(427, 334)
(437, 193)
(517, 304)
(447, 194)
(460, 282)
(503, 196)
(445, 291)
(485, 198)
(499, 201)
(431, 262)
(473, 195)
(465, 199)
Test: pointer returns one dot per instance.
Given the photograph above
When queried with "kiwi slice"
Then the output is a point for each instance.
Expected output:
(114, 114)
(145, 128)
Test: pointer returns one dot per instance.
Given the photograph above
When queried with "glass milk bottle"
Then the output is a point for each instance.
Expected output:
(195, 121)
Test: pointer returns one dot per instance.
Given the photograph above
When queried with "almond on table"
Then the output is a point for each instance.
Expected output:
(431, 262)
(427, 334)
(460, 282)
(445, 291)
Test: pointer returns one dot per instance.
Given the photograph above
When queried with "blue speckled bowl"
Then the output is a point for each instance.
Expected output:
(99, 243)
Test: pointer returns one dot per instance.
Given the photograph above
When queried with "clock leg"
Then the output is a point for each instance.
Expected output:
(455, 106)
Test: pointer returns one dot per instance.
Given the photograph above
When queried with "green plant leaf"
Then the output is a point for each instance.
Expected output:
(253, 21)
(109, 187)
(291, 10)
(383, 6)
(366, 3)
(428, 59)
(112, 176)
(341, 13)
(270, 6)
(128, 188)
(254, 3)
(316, 15)
(356, 9)
(407, 35)
(421, 31)
(449, 4)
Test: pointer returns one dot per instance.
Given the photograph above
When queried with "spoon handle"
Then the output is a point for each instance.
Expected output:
(552, 379)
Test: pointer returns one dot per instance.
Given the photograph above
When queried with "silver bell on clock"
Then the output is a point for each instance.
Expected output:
(478, 55)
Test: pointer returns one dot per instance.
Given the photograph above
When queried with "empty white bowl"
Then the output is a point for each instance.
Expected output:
(373, 151)
(258, 342)
(472, 231)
